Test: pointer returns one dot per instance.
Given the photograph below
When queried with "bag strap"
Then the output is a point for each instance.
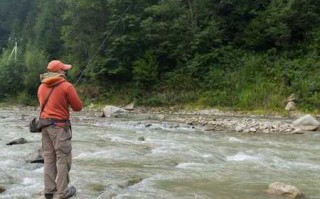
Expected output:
(45, 102)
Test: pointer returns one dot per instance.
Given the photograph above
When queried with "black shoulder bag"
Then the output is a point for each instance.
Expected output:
(35, 125)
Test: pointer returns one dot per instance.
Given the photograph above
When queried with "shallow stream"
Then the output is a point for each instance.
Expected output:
(142, 158)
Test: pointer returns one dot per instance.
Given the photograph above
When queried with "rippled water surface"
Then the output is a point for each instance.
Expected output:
(139, 158)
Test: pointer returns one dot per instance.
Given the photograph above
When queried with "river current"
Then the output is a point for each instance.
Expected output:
(140, 158)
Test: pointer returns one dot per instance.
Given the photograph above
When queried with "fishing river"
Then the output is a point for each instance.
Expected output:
(141, 158)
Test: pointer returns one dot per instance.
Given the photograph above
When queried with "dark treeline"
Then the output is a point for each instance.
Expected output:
(246, 54)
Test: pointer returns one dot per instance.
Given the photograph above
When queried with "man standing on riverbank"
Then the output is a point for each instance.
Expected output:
(57, 95)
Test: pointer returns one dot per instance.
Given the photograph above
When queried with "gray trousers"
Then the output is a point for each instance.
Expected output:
(56, 145)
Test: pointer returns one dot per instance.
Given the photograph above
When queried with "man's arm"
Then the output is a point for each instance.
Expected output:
(74, 99)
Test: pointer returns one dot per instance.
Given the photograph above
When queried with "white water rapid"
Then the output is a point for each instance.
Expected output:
(142, 159)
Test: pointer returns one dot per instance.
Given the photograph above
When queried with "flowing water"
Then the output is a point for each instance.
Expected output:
(142, 159)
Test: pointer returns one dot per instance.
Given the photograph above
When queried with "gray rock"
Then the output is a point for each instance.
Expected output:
(306, 123)
(239, 128)
(141, 138)
(280, 188)
(2, 189)
(129, 107)
(18, 141)
(112, 111)
(35, 157)
(107, 195)
(290, 106)
(129, 182)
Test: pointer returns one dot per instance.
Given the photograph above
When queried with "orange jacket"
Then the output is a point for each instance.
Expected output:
(62, 97)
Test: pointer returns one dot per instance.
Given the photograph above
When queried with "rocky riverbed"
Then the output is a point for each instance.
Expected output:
(217, 120)
(207, 119)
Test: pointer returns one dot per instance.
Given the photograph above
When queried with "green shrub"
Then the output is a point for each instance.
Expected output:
(145, 71)
(24, 98)
(11, 79)
(214, 99)
(263, 95)
(35, 61)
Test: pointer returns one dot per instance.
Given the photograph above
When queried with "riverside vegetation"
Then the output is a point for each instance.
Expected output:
(240, 55)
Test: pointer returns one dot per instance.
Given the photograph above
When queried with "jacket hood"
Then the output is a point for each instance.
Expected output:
(52, 79)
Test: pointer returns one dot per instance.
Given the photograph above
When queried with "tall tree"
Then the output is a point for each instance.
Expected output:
(84, 30)
(48, 27)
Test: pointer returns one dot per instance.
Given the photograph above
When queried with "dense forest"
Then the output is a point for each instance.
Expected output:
(242, 54)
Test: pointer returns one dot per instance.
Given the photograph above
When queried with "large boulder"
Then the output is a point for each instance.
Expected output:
(112, 111)
(306, 123)
(280, 188)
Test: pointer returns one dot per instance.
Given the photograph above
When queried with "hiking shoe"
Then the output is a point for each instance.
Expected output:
(69, 193)
(48, 195)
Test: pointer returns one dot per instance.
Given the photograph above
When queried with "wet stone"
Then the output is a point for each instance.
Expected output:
(141, 138)
(2, 189)
(18, 141)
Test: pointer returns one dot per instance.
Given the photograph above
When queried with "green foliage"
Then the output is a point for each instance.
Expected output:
(260, 95)
(215, 99)
(36, 62)
(84, 29)
(47, 28)
(145, 71)
(314, 39)
(243, 54)
(11, 78)
(25, 98)
(180, 81)
(172, 98)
